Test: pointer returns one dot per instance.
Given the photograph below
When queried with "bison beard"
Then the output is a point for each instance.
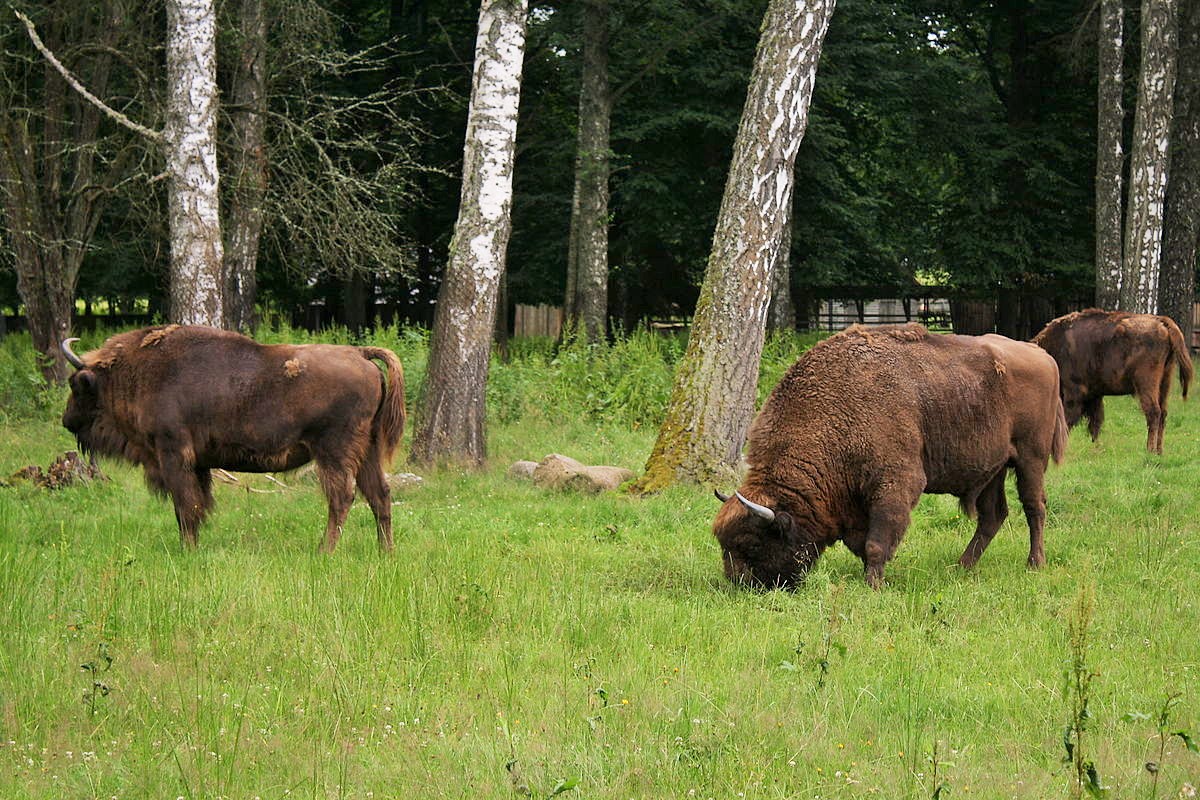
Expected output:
(867, 421)
(181, 401)
(1103, 353)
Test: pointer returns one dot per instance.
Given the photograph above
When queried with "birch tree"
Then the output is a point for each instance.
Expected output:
(1177, 288)
(190, 144)
(1149, 159)
(712, 400)
(450, 418)
(1110, 154)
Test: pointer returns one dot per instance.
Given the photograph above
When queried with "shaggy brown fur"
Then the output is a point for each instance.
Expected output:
(183, 400)
(867, 421)
(1114, 352)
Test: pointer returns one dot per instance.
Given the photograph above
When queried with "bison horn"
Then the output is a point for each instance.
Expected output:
(721, 496)
(756, 509)
(73, 359)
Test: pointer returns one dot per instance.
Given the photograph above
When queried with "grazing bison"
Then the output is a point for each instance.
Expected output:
(181, 401)
(1114, 352)
(868, 420)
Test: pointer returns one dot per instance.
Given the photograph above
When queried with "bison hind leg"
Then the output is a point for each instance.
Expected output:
(337, 481)
(374, 487)
(993, 509)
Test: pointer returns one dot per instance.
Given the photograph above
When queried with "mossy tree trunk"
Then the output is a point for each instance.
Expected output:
(450, 418)
(715, 387)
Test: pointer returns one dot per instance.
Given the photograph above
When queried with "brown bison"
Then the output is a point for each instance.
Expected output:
(182, 401)
(1114, 352)
(868, 420)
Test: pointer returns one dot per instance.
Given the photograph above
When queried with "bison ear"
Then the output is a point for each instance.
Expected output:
(84, 382)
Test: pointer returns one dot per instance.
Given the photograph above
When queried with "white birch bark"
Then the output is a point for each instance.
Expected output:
(197, 272)
(1150, 159)
(712, 401)
(1110, 154)
(450, 424)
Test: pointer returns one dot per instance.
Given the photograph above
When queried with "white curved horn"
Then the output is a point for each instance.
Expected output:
(756, 509)
(69, 354)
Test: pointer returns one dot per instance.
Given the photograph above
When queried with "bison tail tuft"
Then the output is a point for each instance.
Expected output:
(388, 426)
(1183, 356)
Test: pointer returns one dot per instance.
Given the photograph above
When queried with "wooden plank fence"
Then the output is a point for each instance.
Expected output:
(541, 320)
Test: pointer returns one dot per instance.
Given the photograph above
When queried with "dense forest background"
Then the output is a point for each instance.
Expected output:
(950, 143)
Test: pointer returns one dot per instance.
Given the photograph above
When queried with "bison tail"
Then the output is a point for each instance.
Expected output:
(388, 426)
(1058, 447)
(1183, 357)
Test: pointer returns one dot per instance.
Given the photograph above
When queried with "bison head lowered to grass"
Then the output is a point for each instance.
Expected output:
(868, 420)
(1115, 352)
(182, 400)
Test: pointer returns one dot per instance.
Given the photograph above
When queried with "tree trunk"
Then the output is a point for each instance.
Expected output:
(781, 315)
(247, 166)
(51, 189)
(714, 392)
(1177, 290)
(1110, 156)
(1149, 159)
(197, 262)
(587, 272)
(450, 420)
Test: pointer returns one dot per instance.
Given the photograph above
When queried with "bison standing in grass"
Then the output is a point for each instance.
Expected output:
(181, 401)
(1115, 352)
(868, 420)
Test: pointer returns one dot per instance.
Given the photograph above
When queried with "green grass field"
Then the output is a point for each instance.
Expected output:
(522, 643)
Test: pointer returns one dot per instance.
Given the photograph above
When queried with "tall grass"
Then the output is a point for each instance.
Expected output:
(521, 642)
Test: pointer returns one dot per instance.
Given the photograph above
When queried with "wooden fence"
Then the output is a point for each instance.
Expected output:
(540, 320)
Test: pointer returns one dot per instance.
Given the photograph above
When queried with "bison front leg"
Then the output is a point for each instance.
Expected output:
(992, 509)
(888, 521)
(190, 491)
(1093, 409)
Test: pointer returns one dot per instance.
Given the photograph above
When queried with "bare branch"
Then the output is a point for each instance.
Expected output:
(112, 113)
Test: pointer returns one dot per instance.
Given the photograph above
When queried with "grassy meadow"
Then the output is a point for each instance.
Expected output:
(525, 643)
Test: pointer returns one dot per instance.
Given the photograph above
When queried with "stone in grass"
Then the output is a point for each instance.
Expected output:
(404, 480)
(522, 470)
(561, 472)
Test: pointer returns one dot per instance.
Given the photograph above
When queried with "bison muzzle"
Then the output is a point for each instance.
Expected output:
(181, 401)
